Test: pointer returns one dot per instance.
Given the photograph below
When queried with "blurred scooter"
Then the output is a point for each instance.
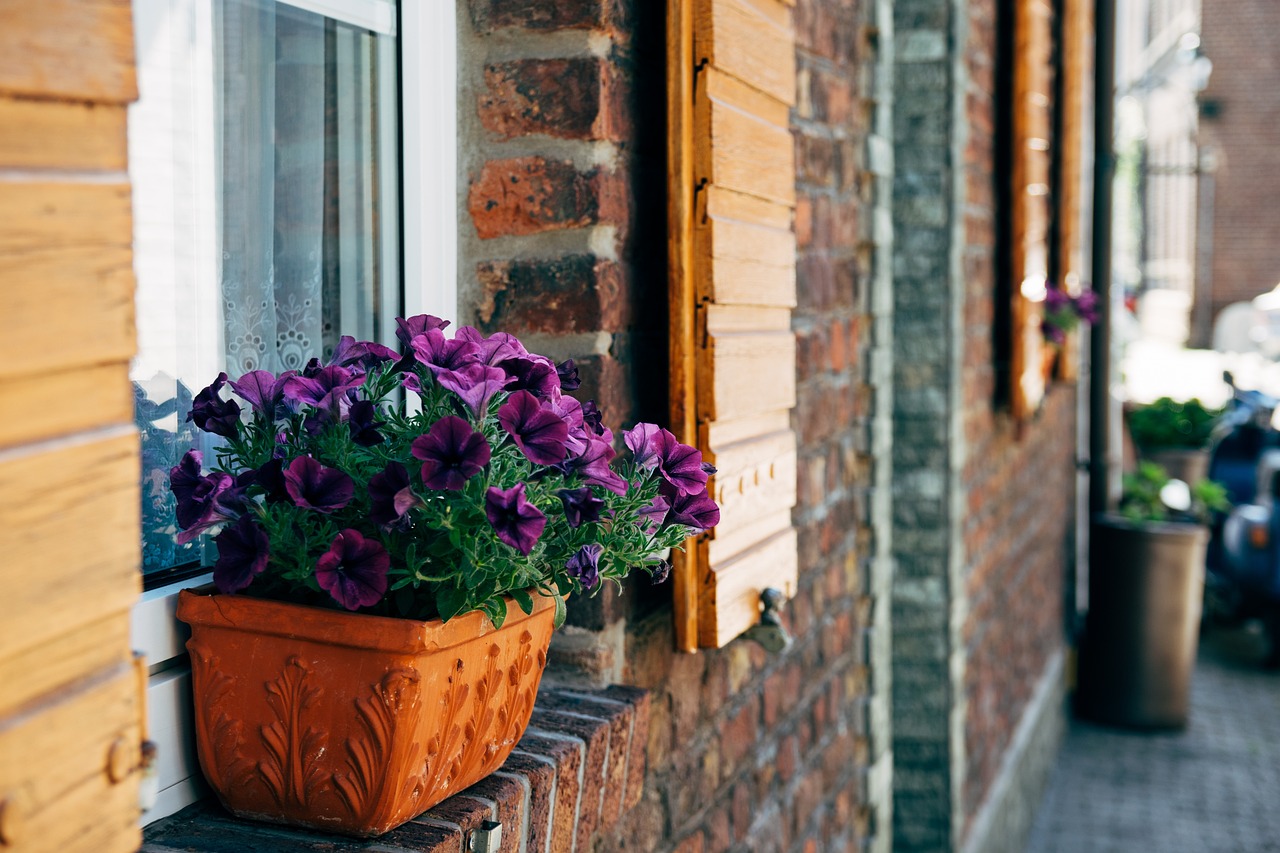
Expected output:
(1242, 580)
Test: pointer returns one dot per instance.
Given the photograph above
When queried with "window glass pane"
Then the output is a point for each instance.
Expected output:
(258, 152)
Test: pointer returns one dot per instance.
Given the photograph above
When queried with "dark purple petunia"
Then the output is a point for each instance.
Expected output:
(585, 565)
(532, 373)
(440, 354)
(593, 467)
(516, 521)
(354, 570)
(581, 505)
(270, 478)
(451, 453)
(311, 368)
(313, 486)
(494, 349)
(212, 414)
(263, 390)
(475, 384)
(202, 506)
(1053, 333)
(538, 432)
(678, 464)
(1086, 305)
(390, 497)
(363, 421)
(643, 439)
(328, 390)
(568, 373)
(243, 551)
(1056, 299)
(569, 410)
(698, 511)
(653, 514)
(593, 421)
(407, 330)
(185, 477)
(366, 354)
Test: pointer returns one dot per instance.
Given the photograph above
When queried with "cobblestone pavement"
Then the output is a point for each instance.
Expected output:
(1214, 788)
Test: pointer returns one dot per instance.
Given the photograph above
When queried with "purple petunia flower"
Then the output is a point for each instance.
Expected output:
(532, 373)
(581, 505)
(390, 497)
(440, 354)
(475, 384)
(263, 390)
(643, 441)
(494, 349)
(593, 467)
(211, 413)
(585, 565)
(593, 421)
(1056, 299)
(185, 477)
(451, 453)
(412, 381)
(203, 508)
(568, 373)
(354, 570)
(407, 330)
(1086, 305)
(678, 464)
(328, 390)
(313, 486)
(270, 478)
(516, 521)
(653, 514)
(363, 422)
(538, 432)
(698, 511)
(243, 551)
(366, 354)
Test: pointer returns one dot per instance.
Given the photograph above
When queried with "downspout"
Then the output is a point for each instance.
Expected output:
(1102, 404)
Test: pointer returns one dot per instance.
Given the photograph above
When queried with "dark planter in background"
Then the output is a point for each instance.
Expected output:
(1139, 647)
(1188, 465)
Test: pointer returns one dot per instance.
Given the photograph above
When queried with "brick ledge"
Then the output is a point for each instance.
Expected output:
(576, 771)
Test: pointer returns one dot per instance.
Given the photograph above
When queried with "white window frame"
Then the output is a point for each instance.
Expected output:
(427, 46)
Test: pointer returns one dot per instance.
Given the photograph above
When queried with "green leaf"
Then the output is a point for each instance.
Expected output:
(524, 599)
(562, 612)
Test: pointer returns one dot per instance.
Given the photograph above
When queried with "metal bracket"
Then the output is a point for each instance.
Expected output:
(769, 631)
(486, 838)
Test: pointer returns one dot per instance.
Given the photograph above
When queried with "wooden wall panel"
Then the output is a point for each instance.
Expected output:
(1069, 220)
(733, 272)
(71, 50)
(52, 134)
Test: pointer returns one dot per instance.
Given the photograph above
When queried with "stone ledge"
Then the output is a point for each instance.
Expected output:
(578, 769)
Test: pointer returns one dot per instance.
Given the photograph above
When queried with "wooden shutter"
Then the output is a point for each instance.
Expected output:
(732, 84)
(70, 706)
(1032, 125)
(1071, 187)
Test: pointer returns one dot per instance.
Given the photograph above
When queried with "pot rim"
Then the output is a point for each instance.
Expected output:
(1117, 521)
(207, 608)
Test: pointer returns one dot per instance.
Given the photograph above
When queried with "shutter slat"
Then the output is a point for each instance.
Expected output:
(738, 38)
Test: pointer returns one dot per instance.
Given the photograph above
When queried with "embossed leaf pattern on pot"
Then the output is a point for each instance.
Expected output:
(224, 732)
(291, 770)
(394, 702)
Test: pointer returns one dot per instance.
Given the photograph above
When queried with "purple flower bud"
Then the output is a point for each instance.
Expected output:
(581, 505)
(243, 551)
(568, 373)
(313, 486)
(366, 354)
(538, 432)
(354, 570)
(585, 565)
(517, 522)
(451, 453)
(659, 573)
(211, 413)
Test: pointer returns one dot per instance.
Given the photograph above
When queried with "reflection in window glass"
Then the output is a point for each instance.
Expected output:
(258, 152)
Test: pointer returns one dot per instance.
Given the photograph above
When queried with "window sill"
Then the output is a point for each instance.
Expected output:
(578, 769)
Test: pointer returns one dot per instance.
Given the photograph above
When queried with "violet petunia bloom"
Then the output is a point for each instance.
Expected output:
(538, 432)
(363, 421)
(200, 503)
(328, 390)
(211, 413)
(412, 381)
(678, 464)
(367, 354)
(354, 570)
(263, 390)
(568, 373)
(1086, 305)
(243, 551)
(407, 330)
(270, 478)
(581, 505)
(653, 514)
(313, 486)
(494, 349)
(440, 354)
(643, 440)
(569, 410)
(698, 511)
(1056, 299)
(593, 467)
(532, 373)
(185, 477)
(391, 497)
(585, 565)
(475, 384)
(451, 453)
(516, 521)
(593, 422)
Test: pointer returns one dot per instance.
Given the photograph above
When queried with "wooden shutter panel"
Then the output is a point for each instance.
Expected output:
(1032, 126)
(71, 702)
(1076, 44)
(733, 287)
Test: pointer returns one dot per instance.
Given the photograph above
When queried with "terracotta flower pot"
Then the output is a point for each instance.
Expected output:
(353, 723)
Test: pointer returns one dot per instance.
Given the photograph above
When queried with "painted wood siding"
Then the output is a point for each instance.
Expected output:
(734, 286)
(70, 709)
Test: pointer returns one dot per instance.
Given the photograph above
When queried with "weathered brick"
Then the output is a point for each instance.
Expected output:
(594, 734)
(559, 296)
(567, 756)
(540, 775)
(566, 98)
(508, 795)
(529, 195)
(539, 14)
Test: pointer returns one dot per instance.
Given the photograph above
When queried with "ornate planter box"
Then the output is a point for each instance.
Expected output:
(352, 723)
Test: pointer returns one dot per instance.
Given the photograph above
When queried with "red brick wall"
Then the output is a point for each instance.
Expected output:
(564, 119)
(1237, 35)
(1019, 482)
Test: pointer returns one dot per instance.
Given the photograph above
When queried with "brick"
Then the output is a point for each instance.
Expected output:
(557, 296)
(637, 743)
(540, 14)
(564, 98)
(508, 795)
(594, 734)
(620, 717)
(540, 774)
(530, 195)
(567, 755)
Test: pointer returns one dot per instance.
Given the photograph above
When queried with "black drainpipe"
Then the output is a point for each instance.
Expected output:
(1104, 160)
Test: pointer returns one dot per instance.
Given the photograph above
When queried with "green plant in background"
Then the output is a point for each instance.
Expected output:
(1150, 495)
(1168, 424)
